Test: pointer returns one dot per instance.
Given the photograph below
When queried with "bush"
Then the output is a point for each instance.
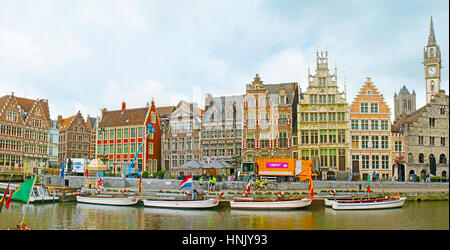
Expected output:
(145, 174)
(160, 174)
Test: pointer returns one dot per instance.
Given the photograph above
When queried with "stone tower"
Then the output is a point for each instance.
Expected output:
(404, 102)
(432, 65)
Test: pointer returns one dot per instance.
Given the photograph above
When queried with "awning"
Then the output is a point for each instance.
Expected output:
(97, 165)
(218, 164)
(192, 164)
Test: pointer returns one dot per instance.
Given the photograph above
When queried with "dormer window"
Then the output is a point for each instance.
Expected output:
(283, 99)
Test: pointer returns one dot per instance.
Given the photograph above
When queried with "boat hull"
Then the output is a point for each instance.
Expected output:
(114, 201)
(190, 204)
(376, 204)
(270, 204)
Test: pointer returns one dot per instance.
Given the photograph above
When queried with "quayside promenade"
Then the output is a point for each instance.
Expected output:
(413, 190)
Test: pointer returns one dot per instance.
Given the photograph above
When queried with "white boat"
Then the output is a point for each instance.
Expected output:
(108, 200)
(329, 201)
(378, 203)
(39, 194)
(270, 204)
(173, 203)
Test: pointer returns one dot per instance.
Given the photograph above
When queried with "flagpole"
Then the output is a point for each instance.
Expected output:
(28, 202)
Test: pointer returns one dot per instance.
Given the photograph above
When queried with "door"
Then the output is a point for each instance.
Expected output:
(355, 167)
(341, 163)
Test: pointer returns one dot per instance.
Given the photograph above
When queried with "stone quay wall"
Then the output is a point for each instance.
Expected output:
(172, 184)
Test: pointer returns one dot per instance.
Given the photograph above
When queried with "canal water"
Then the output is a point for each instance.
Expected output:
(428, 215)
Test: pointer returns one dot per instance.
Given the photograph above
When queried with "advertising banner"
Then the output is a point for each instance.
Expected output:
(277, 165)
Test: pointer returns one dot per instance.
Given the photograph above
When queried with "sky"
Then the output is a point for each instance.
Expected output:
(88, 55)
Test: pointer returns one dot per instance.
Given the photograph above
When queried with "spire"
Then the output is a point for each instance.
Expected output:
(431, 37)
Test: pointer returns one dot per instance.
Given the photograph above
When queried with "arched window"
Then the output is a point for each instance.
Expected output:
(421, 157)
(444, 174)
(410, 157)
(442, 159)
(432, 85)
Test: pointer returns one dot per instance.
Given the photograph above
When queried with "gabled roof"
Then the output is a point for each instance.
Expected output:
(165, 111)
(26, 105)
(129, 117)
(64, 124)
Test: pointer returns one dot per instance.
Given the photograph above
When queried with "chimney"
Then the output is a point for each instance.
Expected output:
(123, 107)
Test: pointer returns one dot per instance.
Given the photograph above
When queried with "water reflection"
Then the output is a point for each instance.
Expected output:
(71, 215)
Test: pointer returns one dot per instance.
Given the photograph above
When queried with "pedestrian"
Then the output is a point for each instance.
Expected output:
(209, 184)
(214, 183)
(201, 182)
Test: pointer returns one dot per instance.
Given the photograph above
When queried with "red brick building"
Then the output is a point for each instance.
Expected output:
(74, 138)
(121, 132)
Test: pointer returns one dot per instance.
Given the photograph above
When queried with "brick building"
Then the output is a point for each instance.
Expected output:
(24, 131)
(120, 134)
(370, 133)
(269, 120)
(75, 139)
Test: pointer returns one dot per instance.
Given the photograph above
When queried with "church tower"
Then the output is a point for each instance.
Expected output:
(432, 65)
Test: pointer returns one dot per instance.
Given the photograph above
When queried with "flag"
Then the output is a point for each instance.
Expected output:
(87, 173)
(62, 171)
(311, 190)
(249, 184)
(187, 182)
(140, 185)
(368, 183)
(2, 200)
(22, 193)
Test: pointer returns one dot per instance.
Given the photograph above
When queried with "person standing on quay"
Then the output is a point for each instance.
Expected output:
(214, 183)
(200, 181)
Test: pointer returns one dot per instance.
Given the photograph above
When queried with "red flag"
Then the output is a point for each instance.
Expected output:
(311, 190)
(2, 200)
(140, 185)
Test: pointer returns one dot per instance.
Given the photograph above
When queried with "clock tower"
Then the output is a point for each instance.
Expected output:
(432, 63)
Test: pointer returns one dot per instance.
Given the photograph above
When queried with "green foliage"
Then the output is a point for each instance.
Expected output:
(160, 174)
(145, 174)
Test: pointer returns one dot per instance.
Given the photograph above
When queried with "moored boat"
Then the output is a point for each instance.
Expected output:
(108, 200)
(329, 201)
(377, 203)
(173, 203)
(270, 204)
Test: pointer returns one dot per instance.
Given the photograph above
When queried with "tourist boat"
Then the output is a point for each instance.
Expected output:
(377, 203)
(108, 200)
(329, 201)
(39, 194)
(270, 204)
(174, 203)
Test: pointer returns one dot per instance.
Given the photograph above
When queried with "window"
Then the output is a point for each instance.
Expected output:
(364, 141)
(133, 133)
(385, 161)
(354, 124)
(364, 107)
(314, 137)
(421, 158)
(111, 149)
(333, 158)
(119, 149)
(323, 136)
(119, 133)
(305, 155)
(283, 140)
(442, 110)
(420, 140)
(282, 120)
(150, 148)
(332, 136)
(374, 108)
(323, 158)
(125, 148)
(322, 98)
(313, 117)
(384, 142)
(375, 161)
(283, 99)
(384, 125)
(365, 162)
(375, 142)
(11, 116)
(251, 140)
(374, 124)
(364, 124)
(305, 136)
(398, 146)
(331, 99)
(313, 98)
(322, 81)
(132, 148)
(322, 117)
(442, 141)
(355, 141)
(431, 140)
(332, 116)
(341, 136)
(153, 117)
(140, 132)
(125, 133)
(264, 140)
(341, 116)
(304, 117)
(432, 122)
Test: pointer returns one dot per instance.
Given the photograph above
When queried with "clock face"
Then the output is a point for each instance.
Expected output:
(432, 70)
